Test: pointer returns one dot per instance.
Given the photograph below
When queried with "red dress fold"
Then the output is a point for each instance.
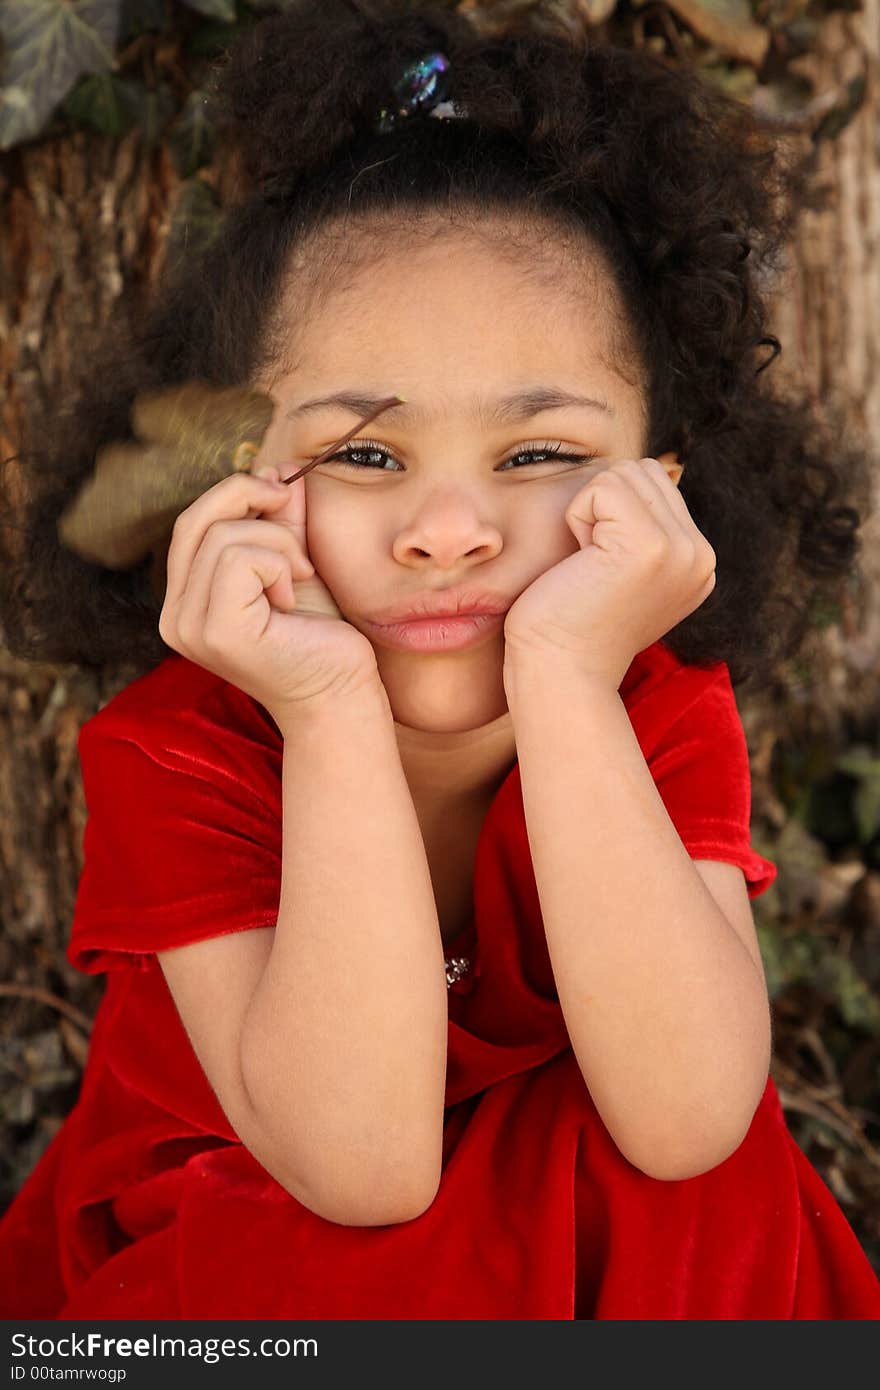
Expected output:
(146, 1204)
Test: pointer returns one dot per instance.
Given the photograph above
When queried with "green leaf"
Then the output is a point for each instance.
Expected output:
(867, 809)
(47, 45)
(104, 102)
(195, 221)
(193, 136)
(211, 39)
(863, 764)
(139, 17)
(830, 811)
(825, 612)
(214, 9)
(859, 1008)
(733, 78)
(859, 760)
(155, 107)
(788, 957)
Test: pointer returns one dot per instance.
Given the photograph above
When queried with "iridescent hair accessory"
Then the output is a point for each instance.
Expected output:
(421, 89)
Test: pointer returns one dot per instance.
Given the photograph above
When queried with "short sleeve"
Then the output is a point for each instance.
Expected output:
(700, 765)
(182, 839)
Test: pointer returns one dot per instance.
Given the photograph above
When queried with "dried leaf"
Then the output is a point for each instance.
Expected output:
(728, 24)
(189, 437)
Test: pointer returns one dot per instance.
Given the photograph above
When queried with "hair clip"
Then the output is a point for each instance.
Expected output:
(422, 89)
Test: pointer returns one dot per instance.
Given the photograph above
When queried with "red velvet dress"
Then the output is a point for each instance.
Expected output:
(146, 1205)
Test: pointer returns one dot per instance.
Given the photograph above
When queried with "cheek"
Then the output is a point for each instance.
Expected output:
(338, 543)
(542, 533)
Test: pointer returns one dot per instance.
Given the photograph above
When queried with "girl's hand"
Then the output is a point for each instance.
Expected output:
(642, 567)
(244, 600)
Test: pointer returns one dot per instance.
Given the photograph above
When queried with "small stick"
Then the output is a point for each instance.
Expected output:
(385, 405)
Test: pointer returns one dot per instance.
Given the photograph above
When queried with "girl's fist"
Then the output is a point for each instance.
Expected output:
(244, 600)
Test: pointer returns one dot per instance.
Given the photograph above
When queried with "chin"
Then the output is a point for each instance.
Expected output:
(443, 696)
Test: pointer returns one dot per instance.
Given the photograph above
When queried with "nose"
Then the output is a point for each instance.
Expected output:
(446, 530)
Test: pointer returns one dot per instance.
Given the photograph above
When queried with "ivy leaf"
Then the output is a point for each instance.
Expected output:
(802, 958)
(787, 957)
(735, 79)
(47, 45)
(195, 222)
(858, 1006)
(866, 807)
(193, 136)
(214, 37)
(103, 101)
(156, 109)
(863, 764)
(214, 9)
(139, 17)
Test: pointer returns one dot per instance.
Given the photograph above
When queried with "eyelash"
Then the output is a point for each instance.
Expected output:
(372, 446)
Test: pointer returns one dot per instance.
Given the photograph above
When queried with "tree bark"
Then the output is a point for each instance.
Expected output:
(827, 312)
(84, 216)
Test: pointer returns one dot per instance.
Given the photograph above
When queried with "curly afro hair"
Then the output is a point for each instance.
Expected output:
(673, 182)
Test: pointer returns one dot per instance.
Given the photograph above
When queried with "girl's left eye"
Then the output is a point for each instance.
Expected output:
(533, 454)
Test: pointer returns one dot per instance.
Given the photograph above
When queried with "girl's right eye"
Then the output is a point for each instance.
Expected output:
(348, 455)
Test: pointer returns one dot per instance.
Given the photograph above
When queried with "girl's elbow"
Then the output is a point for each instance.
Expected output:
(680, 1168)
(394, 1212)
(371, 1203)
(682, 1159)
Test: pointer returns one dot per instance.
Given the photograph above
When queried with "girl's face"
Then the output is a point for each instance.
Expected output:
(440, 495)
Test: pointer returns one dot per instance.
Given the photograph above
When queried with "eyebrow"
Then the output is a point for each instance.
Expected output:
(510, 409)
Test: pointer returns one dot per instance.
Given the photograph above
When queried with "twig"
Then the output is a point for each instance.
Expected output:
(383, 405)
(45, 996)
(830, 1111)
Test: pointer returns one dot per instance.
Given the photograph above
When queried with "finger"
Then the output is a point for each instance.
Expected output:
(679, 508)
(226, 535)
(648, 478)
(293, 510)
(249, 580)
(607, 504)
(676, 501)
(239, 495)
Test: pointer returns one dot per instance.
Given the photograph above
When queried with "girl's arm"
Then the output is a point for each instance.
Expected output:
(666, 1008)
(336, 1081)
(343, 1048)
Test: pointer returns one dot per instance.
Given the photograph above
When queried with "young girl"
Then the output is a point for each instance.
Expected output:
(535, 264)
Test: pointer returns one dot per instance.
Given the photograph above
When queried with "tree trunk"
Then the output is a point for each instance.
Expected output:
(826, 314)
(828, 311)
(84, 216)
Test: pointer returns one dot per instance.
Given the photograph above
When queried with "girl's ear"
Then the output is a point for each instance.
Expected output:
(674, 469)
